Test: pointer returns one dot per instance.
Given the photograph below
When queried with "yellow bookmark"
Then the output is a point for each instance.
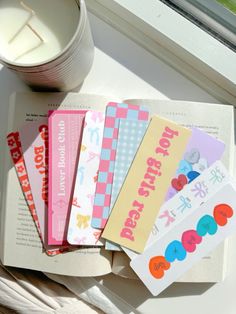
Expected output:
(146, 184)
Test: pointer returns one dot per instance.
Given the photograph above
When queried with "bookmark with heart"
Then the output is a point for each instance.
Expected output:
(201, 151)
(193, 238)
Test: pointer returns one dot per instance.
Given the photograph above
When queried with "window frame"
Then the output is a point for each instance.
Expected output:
(190, 50)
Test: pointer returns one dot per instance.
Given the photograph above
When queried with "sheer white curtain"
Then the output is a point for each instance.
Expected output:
(25, 292)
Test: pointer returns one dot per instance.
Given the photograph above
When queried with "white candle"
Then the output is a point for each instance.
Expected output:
(37, 30)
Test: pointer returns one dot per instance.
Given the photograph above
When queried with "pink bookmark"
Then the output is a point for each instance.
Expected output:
(65, 132)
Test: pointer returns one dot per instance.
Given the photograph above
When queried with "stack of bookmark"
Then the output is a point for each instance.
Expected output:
(131, 182)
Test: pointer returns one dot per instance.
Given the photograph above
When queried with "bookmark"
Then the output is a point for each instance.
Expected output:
(187, 201)
(80, 231)
(202, 150)
(15, 147)
(14, 144)
(114, 112)
(146, 184)
(34, 141)
(65, 131)
(193, 238)
(130, 136)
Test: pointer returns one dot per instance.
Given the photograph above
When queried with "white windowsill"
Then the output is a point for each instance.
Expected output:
(174, 39)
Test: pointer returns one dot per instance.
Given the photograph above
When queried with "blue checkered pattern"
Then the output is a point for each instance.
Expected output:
(130, 136)
(114, 112)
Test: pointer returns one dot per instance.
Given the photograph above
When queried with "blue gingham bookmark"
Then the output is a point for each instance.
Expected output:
(130, 136)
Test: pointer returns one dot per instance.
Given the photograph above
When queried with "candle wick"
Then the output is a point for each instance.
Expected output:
(24, 53)
(36, 33)
(19, 31)
(32, 13)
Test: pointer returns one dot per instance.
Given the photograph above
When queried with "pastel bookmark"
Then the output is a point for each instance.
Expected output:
(177, 251)
(130, 135)
(65, 132)
(34, 141)
(80, 231)
(114, 112)
(146, 184)
(202, 150)
(15, 147)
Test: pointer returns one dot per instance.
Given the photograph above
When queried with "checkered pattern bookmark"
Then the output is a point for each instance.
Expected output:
(114, 112)
(130, 136)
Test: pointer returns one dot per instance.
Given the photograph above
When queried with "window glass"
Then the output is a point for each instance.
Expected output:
(217, 17)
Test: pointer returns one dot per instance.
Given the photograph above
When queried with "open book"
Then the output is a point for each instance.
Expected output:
(20, 243)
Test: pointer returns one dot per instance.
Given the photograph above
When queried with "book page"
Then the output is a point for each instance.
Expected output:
(20, 243)
(218, 121)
